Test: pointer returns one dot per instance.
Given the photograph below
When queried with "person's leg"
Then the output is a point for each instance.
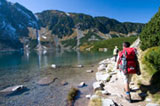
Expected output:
(126, 87)
(115, 58)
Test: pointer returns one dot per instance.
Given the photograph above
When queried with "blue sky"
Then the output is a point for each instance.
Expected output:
(122, 10)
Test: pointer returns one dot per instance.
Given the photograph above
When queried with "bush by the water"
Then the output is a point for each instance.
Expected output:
(150, 35)
(72, 95)
(111, 43)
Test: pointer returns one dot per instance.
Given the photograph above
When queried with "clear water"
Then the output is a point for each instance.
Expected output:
(27, 68)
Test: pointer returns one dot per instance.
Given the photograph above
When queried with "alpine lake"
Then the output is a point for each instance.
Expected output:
(27, 68)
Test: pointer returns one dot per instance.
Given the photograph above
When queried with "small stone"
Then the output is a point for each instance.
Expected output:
(82, 84)
(53, 66)
(148, 100)
(89, 71)
(79, 66)
(88, 96)
(105, 92)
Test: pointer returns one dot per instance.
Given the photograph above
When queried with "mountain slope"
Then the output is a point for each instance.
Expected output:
(19, 27)
(14, 22)
(62, 24)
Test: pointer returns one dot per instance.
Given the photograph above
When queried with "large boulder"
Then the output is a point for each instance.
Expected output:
(102, 76)
(101, 67)
(108, 102)
(98, 86)
(110, 67)
(106, 61)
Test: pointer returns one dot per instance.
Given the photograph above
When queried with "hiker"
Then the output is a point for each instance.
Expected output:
(127, 63)
(115, 53)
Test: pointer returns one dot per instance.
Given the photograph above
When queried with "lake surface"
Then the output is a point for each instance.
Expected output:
(26, 68)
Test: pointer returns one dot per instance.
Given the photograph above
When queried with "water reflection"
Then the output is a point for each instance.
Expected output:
(41, 59)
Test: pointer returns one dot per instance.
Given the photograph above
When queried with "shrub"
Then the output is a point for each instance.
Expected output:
(150, 35)
(72, 95)
(153, 57)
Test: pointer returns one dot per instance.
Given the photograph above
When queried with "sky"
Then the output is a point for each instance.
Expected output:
(140, 11)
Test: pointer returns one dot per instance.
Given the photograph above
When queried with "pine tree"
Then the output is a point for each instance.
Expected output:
(150, 35)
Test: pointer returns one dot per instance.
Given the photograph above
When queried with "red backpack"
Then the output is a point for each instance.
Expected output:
(128, 61)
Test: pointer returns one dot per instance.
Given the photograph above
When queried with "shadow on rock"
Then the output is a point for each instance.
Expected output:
(154, 86)
(135, 101)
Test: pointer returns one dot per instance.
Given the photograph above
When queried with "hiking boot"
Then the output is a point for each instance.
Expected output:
(128, 98)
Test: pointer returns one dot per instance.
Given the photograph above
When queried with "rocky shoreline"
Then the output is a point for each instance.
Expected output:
(109, 90)
(101, 88)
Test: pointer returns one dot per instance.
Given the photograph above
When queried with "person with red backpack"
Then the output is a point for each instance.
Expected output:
(127, 63)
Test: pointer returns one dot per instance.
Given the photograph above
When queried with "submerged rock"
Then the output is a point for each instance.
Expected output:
(79, 66)
(46, 81)
(64, 83)
(12, 89)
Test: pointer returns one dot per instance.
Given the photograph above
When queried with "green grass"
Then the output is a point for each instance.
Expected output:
(88, 36)
(71, 42)
(111, 43)
(95, 102)
(156, 98)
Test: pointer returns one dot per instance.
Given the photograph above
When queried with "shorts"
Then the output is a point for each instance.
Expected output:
(126, 77)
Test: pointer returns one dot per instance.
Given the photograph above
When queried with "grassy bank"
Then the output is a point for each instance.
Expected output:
(109, 44)
(149, 80)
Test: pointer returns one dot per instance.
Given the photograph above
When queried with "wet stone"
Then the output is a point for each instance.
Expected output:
(46, 81)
